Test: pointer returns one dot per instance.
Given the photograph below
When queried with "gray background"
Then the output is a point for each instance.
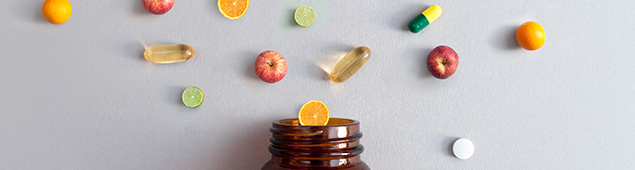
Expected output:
(80, 95)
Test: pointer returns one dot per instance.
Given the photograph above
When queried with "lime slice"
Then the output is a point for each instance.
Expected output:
(193, 97)
(304, 16)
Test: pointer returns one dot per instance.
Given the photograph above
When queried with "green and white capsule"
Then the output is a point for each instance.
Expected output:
(424, 19)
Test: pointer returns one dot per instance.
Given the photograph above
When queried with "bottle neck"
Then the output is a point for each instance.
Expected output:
(334, 145)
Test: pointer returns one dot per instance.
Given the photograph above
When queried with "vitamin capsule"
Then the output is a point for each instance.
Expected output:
(348, 65)
(424, 19)
(168, 53)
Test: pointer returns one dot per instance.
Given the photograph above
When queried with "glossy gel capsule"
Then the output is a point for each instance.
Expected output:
(424, 19)
(171, 53)
(351, 63)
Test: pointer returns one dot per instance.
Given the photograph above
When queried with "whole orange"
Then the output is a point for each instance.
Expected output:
(530, 35)
(57, 11)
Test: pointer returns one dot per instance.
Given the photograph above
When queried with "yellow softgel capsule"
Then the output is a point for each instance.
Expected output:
(424, 19)
(171, 53)
(350, 64)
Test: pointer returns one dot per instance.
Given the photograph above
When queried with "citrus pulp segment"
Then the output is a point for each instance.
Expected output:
(304, 16)
(233, 9)
(314, 113)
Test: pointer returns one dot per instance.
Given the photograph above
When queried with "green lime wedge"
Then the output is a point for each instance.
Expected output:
(193, 97)
(304, 16)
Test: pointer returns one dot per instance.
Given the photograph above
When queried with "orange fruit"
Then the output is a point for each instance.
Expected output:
(530, 35)
(314, 113)
(56, 11)
(233, 9)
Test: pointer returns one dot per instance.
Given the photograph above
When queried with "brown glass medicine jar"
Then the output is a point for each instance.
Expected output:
(334, 146)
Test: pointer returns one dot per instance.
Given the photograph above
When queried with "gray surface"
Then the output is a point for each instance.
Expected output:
(80, 95)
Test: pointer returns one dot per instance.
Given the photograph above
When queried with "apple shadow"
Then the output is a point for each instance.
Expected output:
(247, 149)
(424, 62)
(249, 78)
(141, 15)
(505, 38)
(139, 9)
(250, 70)
(405, 14)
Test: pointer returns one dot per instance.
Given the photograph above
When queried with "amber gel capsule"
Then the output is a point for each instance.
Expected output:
(348, 65)
(171, 53)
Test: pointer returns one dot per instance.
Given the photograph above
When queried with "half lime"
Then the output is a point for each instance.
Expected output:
(193, 97)
(304, 16)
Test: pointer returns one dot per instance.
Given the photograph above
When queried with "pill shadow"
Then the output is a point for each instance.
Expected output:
(245, 150)
(447, 145)
(330, 55)
(133, 50)
(321, 72)
(405, 14)
(505, 38)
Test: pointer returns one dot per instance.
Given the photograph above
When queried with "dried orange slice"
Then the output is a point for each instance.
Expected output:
(233, 9)
(314, 113)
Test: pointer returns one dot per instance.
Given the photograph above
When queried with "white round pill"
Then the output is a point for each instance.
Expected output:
(463, 148)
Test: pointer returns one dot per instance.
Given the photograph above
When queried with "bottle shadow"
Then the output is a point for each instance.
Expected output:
(247, 149)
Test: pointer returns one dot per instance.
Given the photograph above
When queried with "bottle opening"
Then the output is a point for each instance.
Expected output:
(332, 122)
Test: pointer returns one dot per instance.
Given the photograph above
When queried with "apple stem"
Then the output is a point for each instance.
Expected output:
(270, 64)
(445, 62)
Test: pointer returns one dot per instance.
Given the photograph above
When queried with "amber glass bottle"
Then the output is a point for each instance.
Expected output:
(332, 147)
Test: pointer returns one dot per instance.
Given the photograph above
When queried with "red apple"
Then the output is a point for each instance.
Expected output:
(442, 62)
(158, 6)
(270, 66)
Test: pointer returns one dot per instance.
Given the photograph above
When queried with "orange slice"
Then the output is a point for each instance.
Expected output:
(314, 113)
(233, 9)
